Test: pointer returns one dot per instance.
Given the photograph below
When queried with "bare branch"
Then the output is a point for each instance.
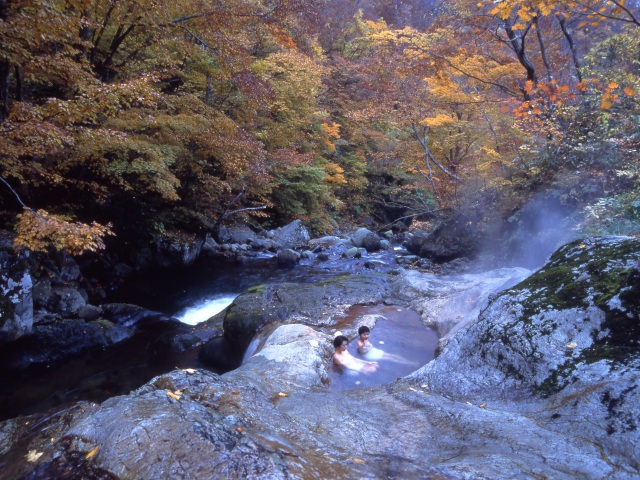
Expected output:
(240, 210)
(14, 192)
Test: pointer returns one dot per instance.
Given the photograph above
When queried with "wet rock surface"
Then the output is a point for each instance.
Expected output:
(537, 378)
(459, 236)
(561, 346)
(16, 296)
(314, 304)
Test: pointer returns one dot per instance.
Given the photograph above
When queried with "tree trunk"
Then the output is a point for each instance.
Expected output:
(5, 68)
(518, 46)
(572, 46)
(18, 84)
(543, 50)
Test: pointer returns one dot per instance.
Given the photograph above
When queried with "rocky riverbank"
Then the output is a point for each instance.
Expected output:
(535, 378)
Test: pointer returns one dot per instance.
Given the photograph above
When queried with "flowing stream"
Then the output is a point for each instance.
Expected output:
(196, 293)
(192, 295)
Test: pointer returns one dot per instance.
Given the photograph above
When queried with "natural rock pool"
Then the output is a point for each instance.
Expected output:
(475, 411)
(406, 342)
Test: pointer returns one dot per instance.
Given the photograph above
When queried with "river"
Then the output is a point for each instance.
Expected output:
(191, 294)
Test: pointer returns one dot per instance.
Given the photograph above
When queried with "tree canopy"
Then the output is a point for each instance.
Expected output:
(127, 120)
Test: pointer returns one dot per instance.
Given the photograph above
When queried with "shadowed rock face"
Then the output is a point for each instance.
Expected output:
(16, 299)
(477, 411)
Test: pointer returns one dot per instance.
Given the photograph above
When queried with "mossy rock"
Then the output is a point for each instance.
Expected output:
(311, 304)
(602, 273)
(576, 318)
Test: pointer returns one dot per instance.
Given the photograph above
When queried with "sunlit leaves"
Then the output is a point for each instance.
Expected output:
(437, 121)
(593, 11)
(295, 80)
(335, 174)
(33, 456)
(38, 231)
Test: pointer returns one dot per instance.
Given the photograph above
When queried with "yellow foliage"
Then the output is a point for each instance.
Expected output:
(175, 396)
(40, 230)
(92, 452)
(607, 99)
(525, 14)
(490, 152)
(335, 174)
(437, 121)
(330, 131)
(503, 10)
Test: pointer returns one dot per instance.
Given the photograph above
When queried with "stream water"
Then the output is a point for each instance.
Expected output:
(192, 294)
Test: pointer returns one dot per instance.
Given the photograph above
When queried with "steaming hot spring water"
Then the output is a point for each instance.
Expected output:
(398, 332)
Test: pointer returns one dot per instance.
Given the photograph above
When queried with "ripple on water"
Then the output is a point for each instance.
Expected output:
(407, 343)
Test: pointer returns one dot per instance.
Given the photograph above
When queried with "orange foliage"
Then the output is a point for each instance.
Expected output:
(38, 231)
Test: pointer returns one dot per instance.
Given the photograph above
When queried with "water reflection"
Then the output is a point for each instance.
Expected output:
(399, 333)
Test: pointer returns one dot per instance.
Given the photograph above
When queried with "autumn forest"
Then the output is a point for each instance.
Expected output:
(124, 121)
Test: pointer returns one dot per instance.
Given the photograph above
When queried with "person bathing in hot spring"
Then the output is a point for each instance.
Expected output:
(371, 353)
(345, 360)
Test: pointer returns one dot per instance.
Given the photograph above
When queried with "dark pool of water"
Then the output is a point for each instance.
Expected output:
(96, 376)
(407, 343)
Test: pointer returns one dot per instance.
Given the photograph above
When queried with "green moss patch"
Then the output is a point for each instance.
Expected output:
(599, 272)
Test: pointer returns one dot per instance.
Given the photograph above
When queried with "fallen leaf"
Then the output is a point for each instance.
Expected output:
(424, 386)
(239, 429)
(235, 392)
(92, 452)
(173, 395)
(469, 403)
(190, 371)
(313, 343)
(178, 392)
(413, 389)
(482, 405)
(282, 394)
(582, 245)
(32, 456)
(572, 345)
(358, 460)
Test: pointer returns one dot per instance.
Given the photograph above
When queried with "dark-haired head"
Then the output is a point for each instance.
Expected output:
(339, 339)
(363, 329)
